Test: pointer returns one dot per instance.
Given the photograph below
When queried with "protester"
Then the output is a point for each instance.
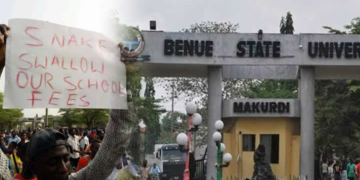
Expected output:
(116, 170)
(14, 137)
(23, 137)
(337, 171)
(28, 136)
(4, 160)
(84, 141)
(26, 173)
(3, 147)
(331, 170)
(100, 135)
(92, 135)
(61, 130)
(358, 169)
(16, 164)
(2, 133)
(351, 170)
(128, 170)
(86, 160)
(49, 156)
(144, 171)
(3, 36)
(324, 171)
(73, 142)
(4, 163)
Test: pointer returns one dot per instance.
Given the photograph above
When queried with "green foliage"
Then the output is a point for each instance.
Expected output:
(337, 110)
(270, 89)
(68, 117)
(352, 28)
(9, 117)
(170, 122)
(170, 127)
(212, 27)
(90, 117)
(286, 25)
(333, 31)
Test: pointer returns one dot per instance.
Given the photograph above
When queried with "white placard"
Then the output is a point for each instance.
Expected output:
(54, 66)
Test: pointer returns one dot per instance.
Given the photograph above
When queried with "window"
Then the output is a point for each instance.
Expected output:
(248, 142)
(271, 143)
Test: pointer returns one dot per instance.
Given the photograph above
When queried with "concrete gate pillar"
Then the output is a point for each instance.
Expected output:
(214, 113)
(307, 108)
(33, 125)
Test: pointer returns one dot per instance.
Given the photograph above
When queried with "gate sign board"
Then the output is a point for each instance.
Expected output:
(261, 108)
(54, 66)
(247, 49)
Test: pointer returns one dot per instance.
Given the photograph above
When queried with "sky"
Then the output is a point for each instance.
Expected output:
(173, 15)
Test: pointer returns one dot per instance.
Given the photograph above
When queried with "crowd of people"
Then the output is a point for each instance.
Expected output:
(336, 170)
(83, 146)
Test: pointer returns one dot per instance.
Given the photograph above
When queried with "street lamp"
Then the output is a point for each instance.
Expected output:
(222, 147)
(191, 108)
(217, 137)
(219, 125)
(196, 121)
(182, 140)
(227, 159)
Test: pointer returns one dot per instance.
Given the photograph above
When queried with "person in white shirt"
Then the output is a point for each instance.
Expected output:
(73, 142)
(324, 168)
(84, 142)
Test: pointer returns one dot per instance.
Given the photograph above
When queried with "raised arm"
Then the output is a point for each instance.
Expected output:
(3, 35)
(6, 150)
(112, 148)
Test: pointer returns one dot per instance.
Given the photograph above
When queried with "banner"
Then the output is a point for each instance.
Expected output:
(54, 66)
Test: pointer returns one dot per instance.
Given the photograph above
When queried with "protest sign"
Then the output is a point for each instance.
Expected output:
(54, 66)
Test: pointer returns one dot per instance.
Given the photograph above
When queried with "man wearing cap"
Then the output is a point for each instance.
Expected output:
(50, 158)
(48, 150)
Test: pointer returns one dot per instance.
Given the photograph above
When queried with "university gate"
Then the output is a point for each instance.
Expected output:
(305, 57)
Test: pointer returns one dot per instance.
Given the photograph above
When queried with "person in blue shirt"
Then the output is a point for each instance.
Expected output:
(14, 138)
(155, 170)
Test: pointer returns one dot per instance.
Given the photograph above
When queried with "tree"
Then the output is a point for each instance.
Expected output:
(68, 117)
(352, 28)
(336, 120)
(170, 123)
(337, 112)
(9, 117)
(170, 127)
(92, 118)
(286, 25)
